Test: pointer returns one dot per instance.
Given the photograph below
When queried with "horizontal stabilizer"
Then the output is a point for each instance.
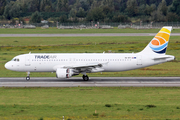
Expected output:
(167, 58)
(159, 58)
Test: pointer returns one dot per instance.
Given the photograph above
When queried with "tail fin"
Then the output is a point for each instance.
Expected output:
(159, 43)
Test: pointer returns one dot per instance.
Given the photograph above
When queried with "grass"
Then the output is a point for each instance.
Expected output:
(102, 103)
(10, 47)
(68, 31)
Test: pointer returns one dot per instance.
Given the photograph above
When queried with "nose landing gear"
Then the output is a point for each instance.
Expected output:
(28, 77)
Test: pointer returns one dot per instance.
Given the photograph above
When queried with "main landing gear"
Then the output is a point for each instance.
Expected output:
(85, 77)
(28, 77)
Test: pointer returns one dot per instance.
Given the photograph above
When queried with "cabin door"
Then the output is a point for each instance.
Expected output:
(27, 61)
(139, 60)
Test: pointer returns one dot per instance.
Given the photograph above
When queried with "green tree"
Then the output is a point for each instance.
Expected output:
(84, 5)
(59, 5)
(33, 5)
(142, 2)
(172, 17)
(72, 13)
(63, 19)
(90, 2)
(12, 9)
(109, 3)
(163, 7)
(142, 9)
(37, 4)
(175, 7)
(2, 6)
(156, 2)
(95, 15)
(24, 7)
(107, 12)
(147, 10)
(81, 13)
(107, 9)
(158, 16)
(35, 17)
(6, 12)
(46, 6)
(150, 9)
(95, 4)
(122, 5)
(132, 8)
(120, 18)
(16, 10)
(62, 5)
(153, 7)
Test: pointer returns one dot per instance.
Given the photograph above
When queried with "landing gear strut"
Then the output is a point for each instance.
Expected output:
(28, 77)
(85, 77)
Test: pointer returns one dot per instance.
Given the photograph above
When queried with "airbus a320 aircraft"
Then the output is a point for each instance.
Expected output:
(71, 64)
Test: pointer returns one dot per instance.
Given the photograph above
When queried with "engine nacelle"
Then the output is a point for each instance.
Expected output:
(64, 73)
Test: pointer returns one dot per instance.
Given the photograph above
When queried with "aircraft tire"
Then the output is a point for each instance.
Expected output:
(85, 78)
(27, 78)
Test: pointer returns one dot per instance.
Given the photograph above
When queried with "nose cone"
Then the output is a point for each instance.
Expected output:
(7, 65)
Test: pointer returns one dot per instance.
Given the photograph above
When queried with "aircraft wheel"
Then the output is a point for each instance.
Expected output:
(85, 78)
(27, 78)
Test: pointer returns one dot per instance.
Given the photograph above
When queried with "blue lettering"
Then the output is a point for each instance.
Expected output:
(45, 57)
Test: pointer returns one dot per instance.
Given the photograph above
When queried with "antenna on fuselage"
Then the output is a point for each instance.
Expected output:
(30, 52)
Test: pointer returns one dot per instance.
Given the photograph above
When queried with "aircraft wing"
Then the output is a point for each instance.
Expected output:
(93, 65)
(90, 67)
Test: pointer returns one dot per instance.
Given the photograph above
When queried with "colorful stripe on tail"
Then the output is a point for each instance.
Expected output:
(160, 42)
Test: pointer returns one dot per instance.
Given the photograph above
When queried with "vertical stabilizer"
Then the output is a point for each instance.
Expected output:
(159, 43)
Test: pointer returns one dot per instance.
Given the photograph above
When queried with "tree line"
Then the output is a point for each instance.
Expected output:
(91, 10)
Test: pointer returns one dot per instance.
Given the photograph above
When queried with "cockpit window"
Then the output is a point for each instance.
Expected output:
(15, 59)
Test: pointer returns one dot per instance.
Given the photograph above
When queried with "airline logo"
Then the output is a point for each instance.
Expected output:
(159, 43)
(45, 56)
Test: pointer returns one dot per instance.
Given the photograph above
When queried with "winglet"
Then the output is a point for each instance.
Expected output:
(159, 43)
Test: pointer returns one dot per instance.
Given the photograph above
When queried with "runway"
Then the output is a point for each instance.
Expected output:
(83, 35)
(75, 35)
(93, 82)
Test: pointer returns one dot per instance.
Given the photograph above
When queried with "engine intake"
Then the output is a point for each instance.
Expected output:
(64, 73)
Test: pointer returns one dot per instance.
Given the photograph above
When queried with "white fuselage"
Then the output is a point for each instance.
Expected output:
(69, 64)
(111, 62)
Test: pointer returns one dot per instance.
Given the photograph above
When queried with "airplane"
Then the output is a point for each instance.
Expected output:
(67, 65)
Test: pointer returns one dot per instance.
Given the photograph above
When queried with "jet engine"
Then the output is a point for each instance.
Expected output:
(65, 73)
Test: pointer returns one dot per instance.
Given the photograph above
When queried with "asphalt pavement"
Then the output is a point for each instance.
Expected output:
(94, 81)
